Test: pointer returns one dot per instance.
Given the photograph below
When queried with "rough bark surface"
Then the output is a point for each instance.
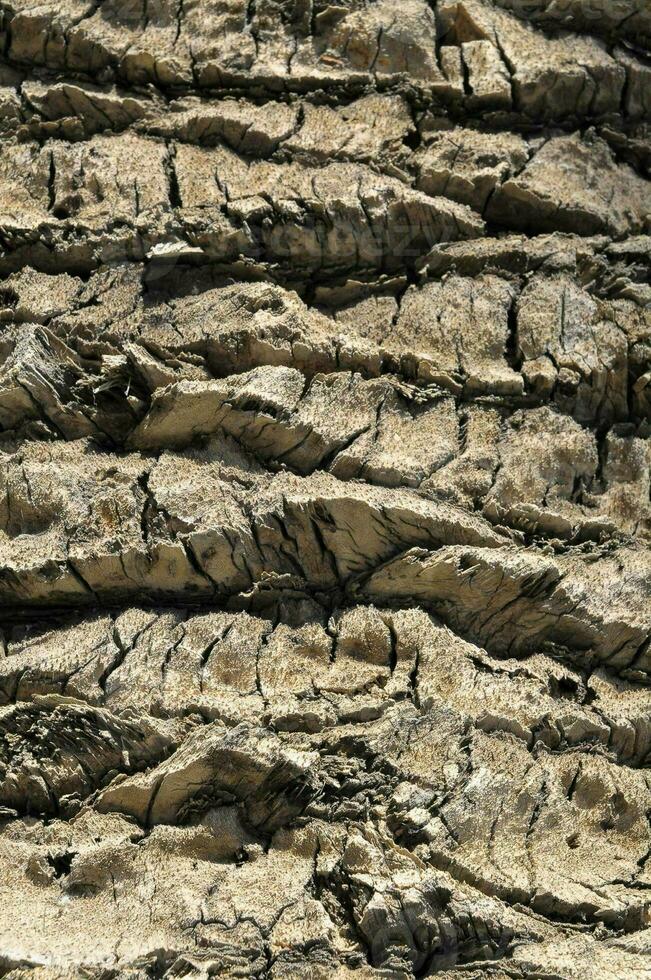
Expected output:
(325, 403)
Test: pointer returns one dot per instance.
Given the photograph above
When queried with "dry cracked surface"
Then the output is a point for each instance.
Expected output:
(325, 525)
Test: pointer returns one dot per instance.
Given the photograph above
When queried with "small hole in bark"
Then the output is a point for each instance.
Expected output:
(61, 863)
(413, 140)
(564, 687)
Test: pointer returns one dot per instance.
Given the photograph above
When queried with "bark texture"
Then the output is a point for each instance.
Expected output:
(325, 403)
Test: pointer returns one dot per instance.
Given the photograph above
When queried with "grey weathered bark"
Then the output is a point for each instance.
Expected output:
(325, 402)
